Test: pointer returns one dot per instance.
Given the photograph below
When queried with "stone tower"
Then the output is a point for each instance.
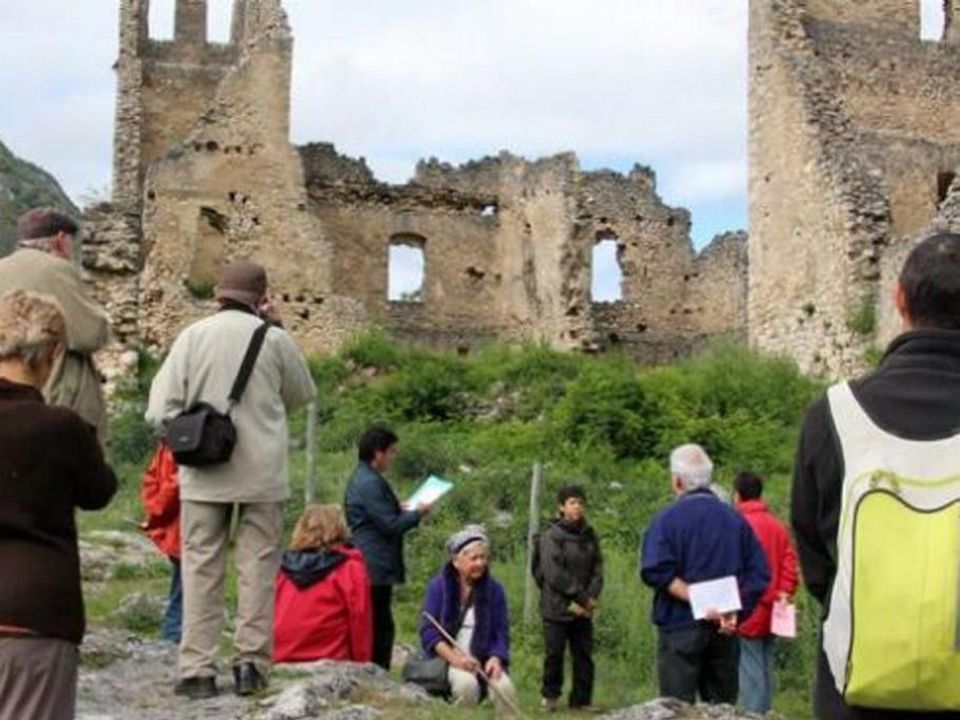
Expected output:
(163, 87)
(854, 141)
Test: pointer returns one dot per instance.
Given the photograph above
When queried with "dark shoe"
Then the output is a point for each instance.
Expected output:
(248, 679)
(197, 688)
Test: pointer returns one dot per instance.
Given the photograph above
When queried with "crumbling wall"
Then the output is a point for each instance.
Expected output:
(851, 131)
(234, 187)
(205, 172)
(508, 246)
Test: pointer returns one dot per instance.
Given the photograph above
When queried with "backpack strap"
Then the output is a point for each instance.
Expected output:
(246, 367)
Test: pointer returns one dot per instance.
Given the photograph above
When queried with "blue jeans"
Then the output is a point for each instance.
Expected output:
(756, 674)
(173, 616)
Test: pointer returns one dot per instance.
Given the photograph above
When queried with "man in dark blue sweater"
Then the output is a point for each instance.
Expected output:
(699, 538)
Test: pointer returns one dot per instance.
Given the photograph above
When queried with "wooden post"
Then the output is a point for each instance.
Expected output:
(311, 482)
(530, 587)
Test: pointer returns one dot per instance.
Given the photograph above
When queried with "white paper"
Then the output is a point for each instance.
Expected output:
(721, 595)
(431, 490)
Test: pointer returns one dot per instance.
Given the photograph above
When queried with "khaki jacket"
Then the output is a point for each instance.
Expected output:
(201, 367)
(75, 382)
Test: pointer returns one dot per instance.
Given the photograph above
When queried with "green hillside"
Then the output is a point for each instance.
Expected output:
(24, 186)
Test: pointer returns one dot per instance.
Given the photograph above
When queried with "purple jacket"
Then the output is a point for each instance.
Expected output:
(491, 636)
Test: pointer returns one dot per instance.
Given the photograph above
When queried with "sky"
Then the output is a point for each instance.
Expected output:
(662, 83)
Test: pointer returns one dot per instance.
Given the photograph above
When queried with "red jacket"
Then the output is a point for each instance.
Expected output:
(782, 559)
(323, 609)
(160, 494)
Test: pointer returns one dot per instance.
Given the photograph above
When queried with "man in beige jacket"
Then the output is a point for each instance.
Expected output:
(201, 367)
(44, 264)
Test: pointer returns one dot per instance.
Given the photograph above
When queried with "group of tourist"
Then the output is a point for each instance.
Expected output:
(873, 510)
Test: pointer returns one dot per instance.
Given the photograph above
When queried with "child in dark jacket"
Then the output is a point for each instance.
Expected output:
(570, 575)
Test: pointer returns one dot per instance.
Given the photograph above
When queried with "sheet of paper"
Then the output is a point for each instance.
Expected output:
(431, 490)
(721, 595)
(783, 623)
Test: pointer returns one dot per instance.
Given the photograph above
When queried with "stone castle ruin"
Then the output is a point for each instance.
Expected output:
(204, 171)
(854, 143)
(854, 147)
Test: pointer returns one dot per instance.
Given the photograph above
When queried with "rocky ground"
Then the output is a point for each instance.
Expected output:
(125, 677)
(128, 675)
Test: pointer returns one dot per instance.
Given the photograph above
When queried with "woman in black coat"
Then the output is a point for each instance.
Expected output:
(50, 464)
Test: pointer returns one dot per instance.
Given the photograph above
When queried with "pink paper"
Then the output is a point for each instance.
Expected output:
(784, 621)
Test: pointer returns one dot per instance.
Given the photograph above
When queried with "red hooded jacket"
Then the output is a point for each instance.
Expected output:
(323, 609)
(782, 559)
(160, 494)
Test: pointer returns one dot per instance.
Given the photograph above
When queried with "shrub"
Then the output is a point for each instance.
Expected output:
(608, 405)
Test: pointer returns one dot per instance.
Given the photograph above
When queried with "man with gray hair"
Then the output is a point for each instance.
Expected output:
(44, 264)
(699, 538)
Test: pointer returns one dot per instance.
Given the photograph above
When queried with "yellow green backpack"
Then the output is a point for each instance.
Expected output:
(891, 635)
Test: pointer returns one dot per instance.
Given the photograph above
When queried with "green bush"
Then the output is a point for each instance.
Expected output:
(608, 405)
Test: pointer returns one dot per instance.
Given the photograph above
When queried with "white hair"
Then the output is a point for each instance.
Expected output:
(692, 466)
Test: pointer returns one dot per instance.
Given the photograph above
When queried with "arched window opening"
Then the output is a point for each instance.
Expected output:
(209, 253)
(933, 19)
(406, 269)
(161, 19)
(606, 276)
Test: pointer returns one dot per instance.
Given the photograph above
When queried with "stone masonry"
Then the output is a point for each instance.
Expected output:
(854, 143)
(204, 172)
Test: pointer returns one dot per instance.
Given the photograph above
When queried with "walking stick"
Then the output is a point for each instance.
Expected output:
(508, 701)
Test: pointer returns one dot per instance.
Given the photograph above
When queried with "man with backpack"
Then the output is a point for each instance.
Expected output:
(874, 509)
(249, 373)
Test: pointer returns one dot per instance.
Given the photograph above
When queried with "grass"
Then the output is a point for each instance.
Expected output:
(483, 421)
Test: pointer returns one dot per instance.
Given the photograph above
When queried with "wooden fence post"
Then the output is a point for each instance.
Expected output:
(530, 587)
(310, 490)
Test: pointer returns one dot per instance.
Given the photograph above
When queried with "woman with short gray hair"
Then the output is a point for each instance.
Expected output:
(472, 609)
(50, 464)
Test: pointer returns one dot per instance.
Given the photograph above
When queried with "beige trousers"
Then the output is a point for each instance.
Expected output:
(465, 689)
(38, 679)
(206, 529)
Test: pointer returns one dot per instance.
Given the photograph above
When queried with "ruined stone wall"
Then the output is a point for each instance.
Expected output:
(852, 137)
(205, 173)
(508, 247)
(235, 188)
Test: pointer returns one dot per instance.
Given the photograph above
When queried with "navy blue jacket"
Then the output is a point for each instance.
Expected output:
(700, 538)
(491, 634)
(378, 524)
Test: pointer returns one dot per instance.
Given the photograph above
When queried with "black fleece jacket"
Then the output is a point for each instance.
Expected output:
(914, 394)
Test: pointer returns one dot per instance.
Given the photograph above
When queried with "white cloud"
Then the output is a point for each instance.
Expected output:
(618, 81)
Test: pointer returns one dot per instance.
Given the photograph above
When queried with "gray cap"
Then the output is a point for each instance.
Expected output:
(461, 539)
(243, 282)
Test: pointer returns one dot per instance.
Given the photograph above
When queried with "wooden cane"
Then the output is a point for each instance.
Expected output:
(486, 678)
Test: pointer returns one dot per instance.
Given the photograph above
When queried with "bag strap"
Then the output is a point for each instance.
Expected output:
(246, 367)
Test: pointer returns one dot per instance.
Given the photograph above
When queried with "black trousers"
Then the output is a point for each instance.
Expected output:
(579, 635)
(383, 627)
(698, 659)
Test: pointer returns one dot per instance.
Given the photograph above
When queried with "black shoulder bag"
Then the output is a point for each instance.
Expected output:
(203, 436)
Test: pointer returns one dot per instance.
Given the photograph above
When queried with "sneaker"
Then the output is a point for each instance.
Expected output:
(248, 679)
(549, 705)
(196, 688)
(588, 709)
